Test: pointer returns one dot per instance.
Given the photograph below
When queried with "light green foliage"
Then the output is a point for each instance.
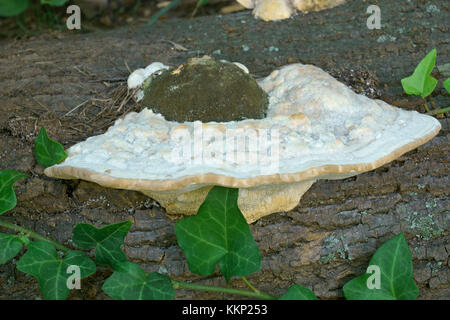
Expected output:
(25, 240)
(8, 198)
(106, 241)
(219, 234)
(10, 246)
(42, 262)
(447, 85)
(10, 8)
(297, 292)
(396, 274)
(420, 82)
(130, 282)
(47, 151)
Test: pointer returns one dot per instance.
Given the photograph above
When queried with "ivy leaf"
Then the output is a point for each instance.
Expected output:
(420, 82)
(428, 87)
(447, 85)
(42, 262)
(394, 261)
(219, 234)
(8, 198)
(130, 282)
(48, 152)
(10, 8)
(297, 292)
(106, 241)
(10, 246)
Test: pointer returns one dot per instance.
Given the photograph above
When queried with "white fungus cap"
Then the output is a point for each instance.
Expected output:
(137, 77)
(240, 65)
(154, 67)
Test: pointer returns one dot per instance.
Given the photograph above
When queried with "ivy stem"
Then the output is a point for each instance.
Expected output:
(162, 12)
(198, 5)
(426, 106)
(33, 235)
(433, 112)
(249, 284)
(193, 286)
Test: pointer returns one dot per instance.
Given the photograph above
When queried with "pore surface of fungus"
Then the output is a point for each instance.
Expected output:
(315, 128)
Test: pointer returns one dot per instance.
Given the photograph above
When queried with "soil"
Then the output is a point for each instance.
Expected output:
(75, 85)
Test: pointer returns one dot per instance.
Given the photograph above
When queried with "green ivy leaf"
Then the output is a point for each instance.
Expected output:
(106, 241)
(130, 282)
(420, 82)
(394, 261)
(297, 292)
(8, 198)
(42, 262)
(54, 3)
(428, 87)
(219, 234)
(10, 246)
(11, 8)
(48, 152)
(447, 85)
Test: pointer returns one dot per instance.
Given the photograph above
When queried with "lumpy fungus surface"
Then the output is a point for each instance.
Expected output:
(206, 90)
(315, 128)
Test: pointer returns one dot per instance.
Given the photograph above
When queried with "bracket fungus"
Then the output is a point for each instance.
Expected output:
(268, 10)
(314, 128)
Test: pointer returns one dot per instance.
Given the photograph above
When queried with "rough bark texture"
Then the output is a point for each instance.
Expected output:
(323, 243)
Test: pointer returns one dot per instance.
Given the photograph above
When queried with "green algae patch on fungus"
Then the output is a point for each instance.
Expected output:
(206, 90)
